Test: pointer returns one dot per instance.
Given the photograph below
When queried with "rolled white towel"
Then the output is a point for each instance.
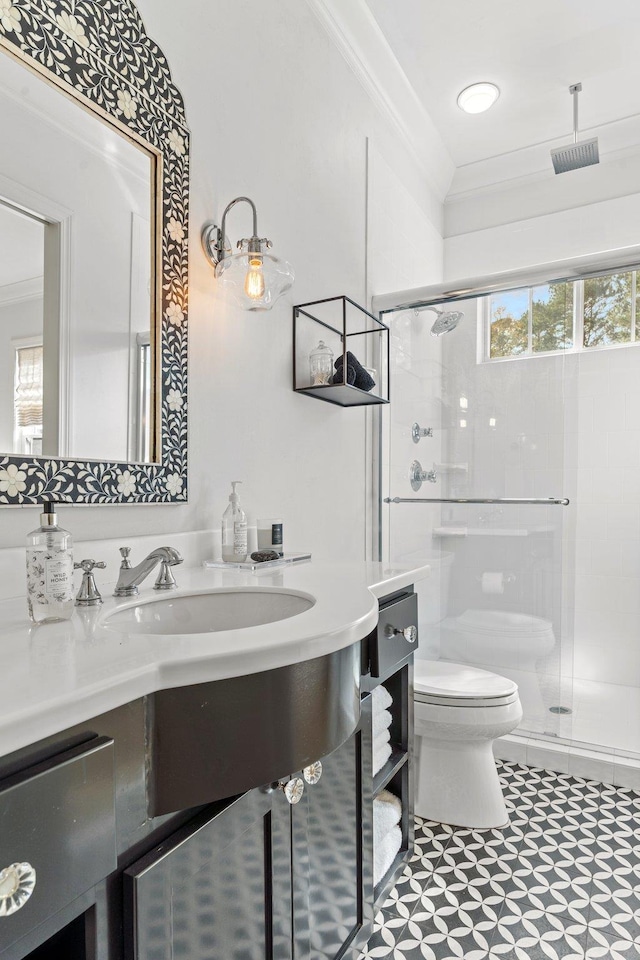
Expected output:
(384, 853)
(380, 721)
(381, 699)
(381, 742)
(387, 811)
(381, 753)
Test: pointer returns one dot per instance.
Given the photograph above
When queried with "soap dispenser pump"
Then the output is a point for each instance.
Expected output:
(234, 529)
(49, 570)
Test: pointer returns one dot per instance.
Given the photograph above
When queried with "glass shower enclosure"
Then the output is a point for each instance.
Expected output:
(510, 461)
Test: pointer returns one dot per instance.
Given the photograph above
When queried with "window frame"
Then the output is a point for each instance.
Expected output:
(578, 346)
(21, 434)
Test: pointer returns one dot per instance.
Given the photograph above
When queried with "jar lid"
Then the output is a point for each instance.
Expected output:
(322, 350)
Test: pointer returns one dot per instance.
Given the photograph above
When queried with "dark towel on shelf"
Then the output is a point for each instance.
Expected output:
(357, 376)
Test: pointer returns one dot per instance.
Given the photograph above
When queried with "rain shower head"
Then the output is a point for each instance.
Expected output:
(446, 321)
(580, 153)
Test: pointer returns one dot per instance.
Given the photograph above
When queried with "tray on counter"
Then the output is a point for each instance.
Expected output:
(256, 565)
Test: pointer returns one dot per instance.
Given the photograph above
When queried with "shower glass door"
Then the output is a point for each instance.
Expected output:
(478, 412)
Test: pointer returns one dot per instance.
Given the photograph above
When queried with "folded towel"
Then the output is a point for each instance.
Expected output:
(381, 754)
(384, 853)
(350, 377)
(381, 699)
(381, 721)
(361, 379)
(387, 811)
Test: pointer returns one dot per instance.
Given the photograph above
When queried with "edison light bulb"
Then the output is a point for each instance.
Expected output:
(254, 280)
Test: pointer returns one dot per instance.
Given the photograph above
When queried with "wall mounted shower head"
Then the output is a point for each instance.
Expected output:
(445, 321)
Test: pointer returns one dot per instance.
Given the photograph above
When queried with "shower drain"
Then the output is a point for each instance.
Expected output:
(564, 711)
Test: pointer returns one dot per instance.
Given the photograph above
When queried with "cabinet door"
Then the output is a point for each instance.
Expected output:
(332, 854)
(218, 889)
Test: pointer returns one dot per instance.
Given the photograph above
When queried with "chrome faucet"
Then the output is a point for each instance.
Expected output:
(131, 577)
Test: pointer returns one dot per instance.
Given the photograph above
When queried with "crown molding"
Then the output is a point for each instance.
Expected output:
(22, 290)
(362, 43)
(619, 139)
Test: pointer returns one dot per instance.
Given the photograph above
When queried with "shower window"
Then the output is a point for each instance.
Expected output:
(567, 316)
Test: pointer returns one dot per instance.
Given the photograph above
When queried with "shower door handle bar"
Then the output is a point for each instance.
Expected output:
(549, 501)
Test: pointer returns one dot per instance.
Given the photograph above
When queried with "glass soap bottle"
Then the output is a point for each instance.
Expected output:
(321, 365)
(49, 570)
(234, 529)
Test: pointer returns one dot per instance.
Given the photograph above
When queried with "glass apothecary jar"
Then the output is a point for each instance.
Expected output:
(320, 365)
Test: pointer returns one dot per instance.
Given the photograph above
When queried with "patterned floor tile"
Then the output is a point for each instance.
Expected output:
(528, 933)
(601, 947)
(615, 904)
(560, 882)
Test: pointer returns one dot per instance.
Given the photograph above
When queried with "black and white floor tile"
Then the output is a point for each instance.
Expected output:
(560, 882)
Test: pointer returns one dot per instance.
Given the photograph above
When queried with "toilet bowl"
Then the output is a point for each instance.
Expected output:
(459, 711)
(514, 644)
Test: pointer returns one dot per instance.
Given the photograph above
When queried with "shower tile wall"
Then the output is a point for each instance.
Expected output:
(505, 422)
(603, 456)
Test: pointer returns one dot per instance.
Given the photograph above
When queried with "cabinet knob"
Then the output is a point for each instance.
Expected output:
(17, 883)
(312, 773)
(409, 633)
(292, 789)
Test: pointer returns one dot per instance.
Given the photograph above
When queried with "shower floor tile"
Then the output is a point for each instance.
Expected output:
(560, 882)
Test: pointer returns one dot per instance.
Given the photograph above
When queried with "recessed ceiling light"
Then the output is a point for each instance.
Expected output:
(478, 97)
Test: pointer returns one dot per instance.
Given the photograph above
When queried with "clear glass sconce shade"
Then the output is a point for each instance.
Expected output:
(255, 280)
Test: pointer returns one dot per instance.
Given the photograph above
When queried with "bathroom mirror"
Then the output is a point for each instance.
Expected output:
(93, 259)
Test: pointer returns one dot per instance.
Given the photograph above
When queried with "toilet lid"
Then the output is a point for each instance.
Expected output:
(503, 622)
(460, 681)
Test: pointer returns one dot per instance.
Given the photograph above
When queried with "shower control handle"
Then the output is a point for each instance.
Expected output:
(417, 432)
(409, 633)
(418, 476)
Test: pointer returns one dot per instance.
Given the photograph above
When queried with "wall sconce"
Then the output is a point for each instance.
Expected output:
(254, 278)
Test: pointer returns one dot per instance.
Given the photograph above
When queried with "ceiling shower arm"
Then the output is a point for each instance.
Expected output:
(574, 90)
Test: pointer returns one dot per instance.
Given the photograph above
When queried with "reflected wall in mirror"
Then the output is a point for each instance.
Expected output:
(93, 259)
(78, 209)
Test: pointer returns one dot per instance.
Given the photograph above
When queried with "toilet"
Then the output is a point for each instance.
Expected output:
(459, 711)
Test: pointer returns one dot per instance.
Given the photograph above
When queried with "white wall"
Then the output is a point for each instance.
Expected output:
(275, 113)
(566, 232)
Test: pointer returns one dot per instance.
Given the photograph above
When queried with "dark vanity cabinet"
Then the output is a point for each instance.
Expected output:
(218, 887)
(259, 877)
(250, 877)
(332, 853)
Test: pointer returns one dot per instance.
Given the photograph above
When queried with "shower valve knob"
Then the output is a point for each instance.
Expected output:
(409, 633)
(417, 432)
(418, 476)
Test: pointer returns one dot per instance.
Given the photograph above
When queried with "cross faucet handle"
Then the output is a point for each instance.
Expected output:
(88, 594)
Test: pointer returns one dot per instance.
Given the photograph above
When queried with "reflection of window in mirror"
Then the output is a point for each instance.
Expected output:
(28, 396)
(21, 329)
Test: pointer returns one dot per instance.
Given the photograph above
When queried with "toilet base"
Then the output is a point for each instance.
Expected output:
(457, 783)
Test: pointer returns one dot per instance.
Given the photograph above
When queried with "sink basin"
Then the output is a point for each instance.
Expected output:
(210, 612)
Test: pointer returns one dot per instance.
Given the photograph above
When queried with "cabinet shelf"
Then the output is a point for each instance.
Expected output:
(398, 758)
(382, 888)
(356, 338)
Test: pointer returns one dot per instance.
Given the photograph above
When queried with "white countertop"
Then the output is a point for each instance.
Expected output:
(57, 675)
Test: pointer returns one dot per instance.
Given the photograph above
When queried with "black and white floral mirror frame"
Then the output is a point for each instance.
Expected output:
(98, 49)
